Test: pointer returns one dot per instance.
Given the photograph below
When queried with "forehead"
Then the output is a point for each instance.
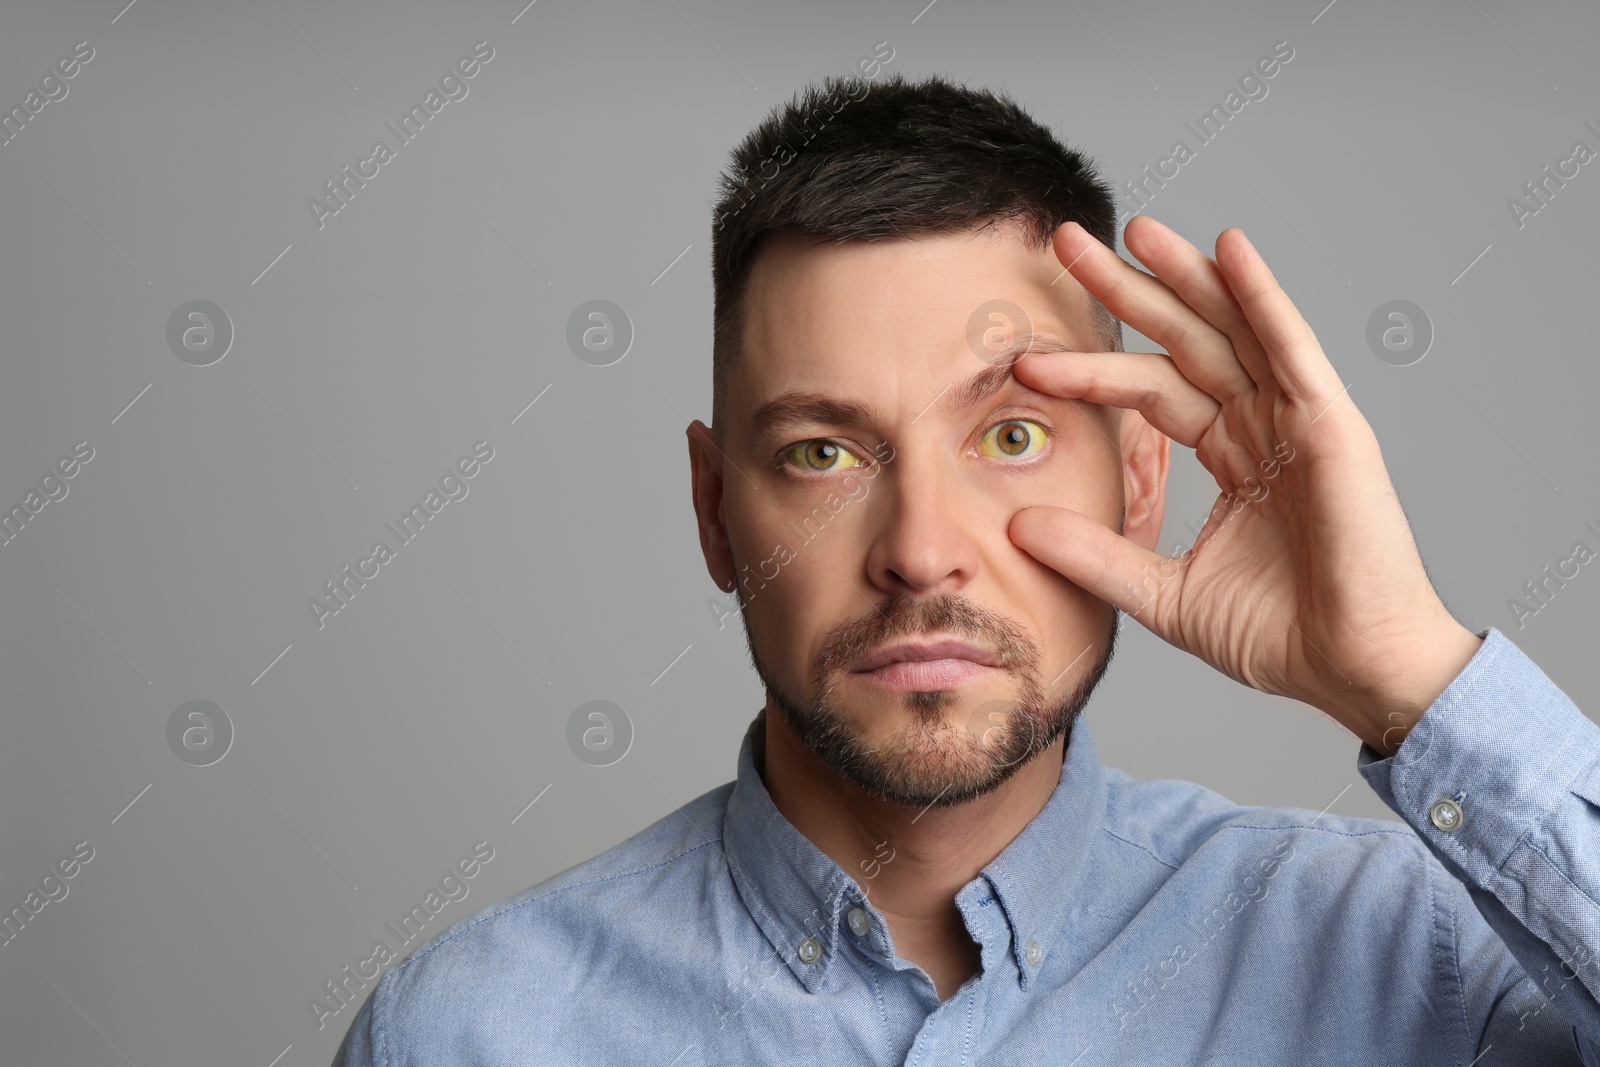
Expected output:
(892, 318)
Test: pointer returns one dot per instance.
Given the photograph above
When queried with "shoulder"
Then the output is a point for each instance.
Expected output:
(685, 844)
(1306, 906)
(524, 953)
(1175, 823)
(1340, 887)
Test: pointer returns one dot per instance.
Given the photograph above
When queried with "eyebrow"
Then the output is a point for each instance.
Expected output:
(797, 407)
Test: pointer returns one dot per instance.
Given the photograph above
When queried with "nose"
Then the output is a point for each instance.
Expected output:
(923, 540)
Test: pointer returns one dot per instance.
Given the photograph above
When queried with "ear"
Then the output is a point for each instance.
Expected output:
(1147, 457)
(705, 476)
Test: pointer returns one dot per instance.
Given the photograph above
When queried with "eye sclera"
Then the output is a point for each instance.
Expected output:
(801, 446)
(1047, 433)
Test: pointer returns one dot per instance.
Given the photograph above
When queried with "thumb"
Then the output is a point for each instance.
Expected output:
(1092, 555)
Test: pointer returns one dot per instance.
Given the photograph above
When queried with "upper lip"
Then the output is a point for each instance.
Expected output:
(939, 648)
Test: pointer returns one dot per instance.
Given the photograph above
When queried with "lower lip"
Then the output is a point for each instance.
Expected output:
(914, 675)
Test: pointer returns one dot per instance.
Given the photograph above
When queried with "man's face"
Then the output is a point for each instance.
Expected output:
(847, 531)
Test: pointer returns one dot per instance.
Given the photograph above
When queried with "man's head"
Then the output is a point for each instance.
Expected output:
(882, 255)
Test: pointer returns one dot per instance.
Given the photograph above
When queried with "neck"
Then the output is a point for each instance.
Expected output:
(909, 861)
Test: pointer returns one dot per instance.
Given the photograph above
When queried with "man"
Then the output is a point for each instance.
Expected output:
(918, 362)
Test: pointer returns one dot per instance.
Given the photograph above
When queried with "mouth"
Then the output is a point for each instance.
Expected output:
(923, 665)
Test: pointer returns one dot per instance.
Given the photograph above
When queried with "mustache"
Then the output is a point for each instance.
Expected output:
(907, 615)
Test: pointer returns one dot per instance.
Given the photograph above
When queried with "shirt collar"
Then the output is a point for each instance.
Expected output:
(801, 898)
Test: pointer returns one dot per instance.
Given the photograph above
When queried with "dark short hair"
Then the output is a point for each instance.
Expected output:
(851, 159)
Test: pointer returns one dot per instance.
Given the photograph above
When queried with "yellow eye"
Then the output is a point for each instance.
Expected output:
(1014, 439)
(820, 455)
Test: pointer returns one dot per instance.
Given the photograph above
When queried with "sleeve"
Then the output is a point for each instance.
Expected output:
(1500, 778)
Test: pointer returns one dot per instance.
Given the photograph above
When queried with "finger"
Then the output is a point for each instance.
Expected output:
(1198, 281)
(1298, 363)
(1097, 558)
(1145, 381)
(1201, 351)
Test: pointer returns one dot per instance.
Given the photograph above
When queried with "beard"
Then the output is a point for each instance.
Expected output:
(931, 760)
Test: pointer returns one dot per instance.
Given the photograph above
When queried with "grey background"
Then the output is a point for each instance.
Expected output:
(428, 314)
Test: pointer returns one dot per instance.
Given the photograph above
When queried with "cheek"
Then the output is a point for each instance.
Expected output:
(1097, 489)
(789, 565)
(1085, 474)
(765, 553)
(788, 614)
(1060, 617)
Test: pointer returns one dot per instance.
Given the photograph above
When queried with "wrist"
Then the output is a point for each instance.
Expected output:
(1385, 718)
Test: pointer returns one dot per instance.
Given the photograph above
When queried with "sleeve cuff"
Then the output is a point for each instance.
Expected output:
(1488, 760)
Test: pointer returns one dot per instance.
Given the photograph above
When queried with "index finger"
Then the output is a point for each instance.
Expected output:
(1206, 353)
(1148, 382)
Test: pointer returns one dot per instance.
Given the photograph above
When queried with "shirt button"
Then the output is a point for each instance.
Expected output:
(810, 949)
(1034, 953)
(1446, 814)
(858, 922)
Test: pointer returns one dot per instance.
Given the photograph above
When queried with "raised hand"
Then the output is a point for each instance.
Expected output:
(1305, 580)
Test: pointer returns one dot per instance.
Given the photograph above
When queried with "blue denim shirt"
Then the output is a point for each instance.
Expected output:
(1130, 922)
